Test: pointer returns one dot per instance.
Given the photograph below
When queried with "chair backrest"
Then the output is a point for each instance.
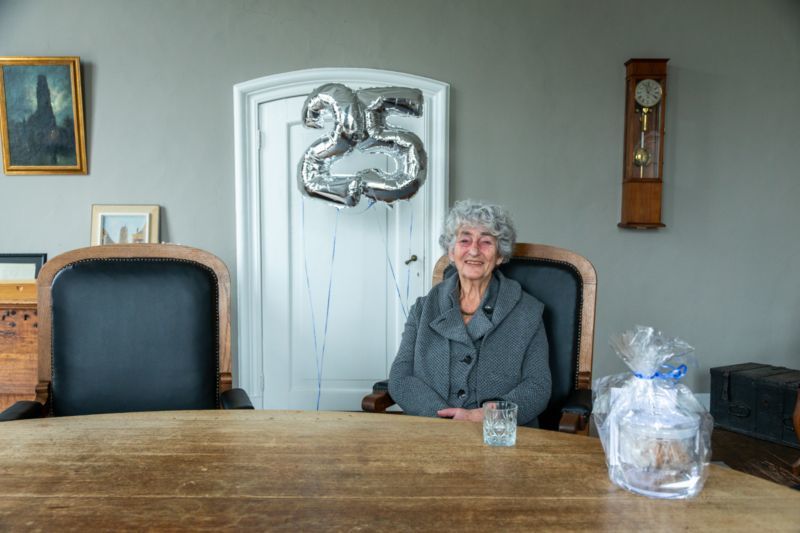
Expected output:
(566, 283)
(137, 327)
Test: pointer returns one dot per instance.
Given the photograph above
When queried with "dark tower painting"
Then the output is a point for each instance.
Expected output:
(41, 125)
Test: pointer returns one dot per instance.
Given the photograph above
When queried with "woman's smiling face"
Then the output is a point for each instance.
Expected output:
(474, 253)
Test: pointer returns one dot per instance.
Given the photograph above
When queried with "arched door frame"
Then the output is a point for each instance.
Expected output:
(247, 97)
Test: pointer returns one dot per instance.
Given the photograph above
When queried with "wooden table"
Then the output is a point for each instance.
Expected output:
(302, 471)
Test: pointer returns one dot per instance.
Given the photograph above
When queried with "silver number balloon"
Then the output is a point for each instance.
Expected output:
(360, 123)
(315, 177)
(405, 147)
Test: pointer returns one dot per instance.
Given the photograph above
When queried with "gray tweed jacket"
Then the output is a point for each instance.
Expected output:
(510, 360)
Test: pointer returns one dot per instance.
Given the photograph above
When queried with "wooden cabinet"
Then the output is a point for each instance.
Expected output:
(18, 342)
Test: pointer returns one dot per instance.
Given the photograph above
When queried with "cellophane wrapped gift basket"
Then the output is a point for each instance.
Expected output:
(655, 434)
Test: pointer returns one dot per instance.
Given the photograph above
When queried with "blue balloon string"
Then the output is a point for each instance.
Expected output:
(396, 285)
(408, 267)
(675, 373)
(327, 309)
(391, 269)
(319, 357)
(308, 282)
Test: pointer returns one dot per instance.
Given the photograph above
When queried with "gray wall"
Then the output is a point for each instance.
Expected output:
(536, 124)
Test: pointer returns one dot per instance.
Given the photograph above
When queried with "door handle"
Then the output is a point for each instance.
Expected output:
(411, 259)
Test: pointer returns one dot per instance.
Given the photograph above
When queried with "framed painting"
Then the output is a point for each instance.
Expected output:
(41, 115)
(124, 224)
(16, 267)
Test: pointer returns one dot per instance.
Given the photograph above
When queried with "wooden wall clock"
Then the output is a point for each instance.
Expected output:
(645, 107)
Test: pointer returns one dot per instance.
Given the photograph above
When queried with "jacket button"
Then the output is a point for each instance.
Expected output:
(461, 394)
(467, 359)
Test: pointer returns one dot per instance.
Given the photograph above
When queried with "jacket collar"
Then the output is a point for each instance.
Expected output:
(449, 323)
(509, 293)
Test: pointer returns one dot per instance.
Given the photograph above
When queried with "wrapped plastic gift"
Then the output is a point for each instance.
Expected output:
(655, 434)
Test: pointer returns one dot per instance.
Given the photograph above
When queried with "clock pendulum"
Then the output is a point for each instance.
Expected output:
(641, 155)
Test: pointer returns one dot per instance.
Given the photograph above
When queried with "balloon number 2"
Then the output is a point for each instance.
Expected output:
(359, 123)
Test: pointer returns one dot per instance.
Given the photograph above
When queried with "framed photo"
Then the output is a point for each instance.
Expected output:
(16, 267)
(41, 115)
(124, 224)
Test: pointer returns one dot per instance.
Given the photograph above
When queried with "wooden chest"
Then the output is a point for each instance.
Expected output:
(757, 400)
(18, 342)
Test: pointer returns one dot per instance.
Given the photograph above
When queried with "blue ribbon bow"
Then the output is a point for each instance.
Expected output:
(676, 373)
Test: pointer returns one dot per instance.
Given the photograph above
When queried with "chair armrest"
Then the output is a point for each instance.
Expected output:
(235, 399)
(379, 400)
(576, 411)
(22, 410)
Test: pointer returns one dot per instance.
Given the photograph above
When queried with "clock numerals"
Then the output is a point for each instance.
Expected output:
(648, 93)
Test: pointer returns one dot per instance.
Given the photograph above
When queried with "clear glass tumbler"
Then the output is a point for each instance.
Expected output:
(500, 423)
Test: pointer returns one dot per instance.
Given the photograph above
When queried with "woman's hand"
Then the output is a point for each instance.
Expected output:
(457, 413)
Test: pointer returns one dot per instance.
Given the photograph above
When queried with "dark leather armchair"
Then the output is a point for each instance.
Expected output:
(567, 285)
(126, 328)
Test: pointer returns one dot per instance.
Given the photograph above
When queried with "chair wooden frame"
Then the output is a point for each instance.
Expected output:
(380, 400)
(112, 251)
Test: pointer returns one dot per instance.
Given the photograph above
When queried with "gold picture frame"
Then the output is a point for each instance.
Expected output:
(41, 115)
(124, 224)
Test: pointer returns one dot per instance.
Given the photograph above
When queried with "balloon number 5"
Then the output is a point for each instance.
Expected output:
(359, 123)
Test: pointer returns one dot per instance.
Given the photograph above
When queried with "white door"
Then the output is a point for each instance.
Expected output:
(337, 282)
(281, 313)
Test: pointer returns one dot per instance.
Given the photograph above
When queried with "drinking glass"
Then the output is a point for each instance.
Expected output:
(500, 423)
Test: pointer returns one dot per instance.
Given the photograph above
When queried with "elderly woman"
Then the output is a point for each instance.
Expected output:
(476, 336)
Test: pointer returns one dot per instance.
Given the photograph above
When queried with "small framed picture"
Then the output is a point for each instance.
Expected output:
(20, 267)
(124, 224)
(41, 115)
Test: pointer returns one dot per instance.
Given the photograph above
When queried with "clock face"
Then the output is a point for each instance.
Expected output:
(648, 93)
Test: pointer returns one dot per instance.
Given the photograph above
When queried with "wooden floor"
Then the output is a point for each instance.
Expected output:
(757, 457)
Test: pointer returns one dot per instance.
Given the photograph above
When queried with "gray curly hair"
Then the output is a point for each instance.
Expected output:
(494, 218)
